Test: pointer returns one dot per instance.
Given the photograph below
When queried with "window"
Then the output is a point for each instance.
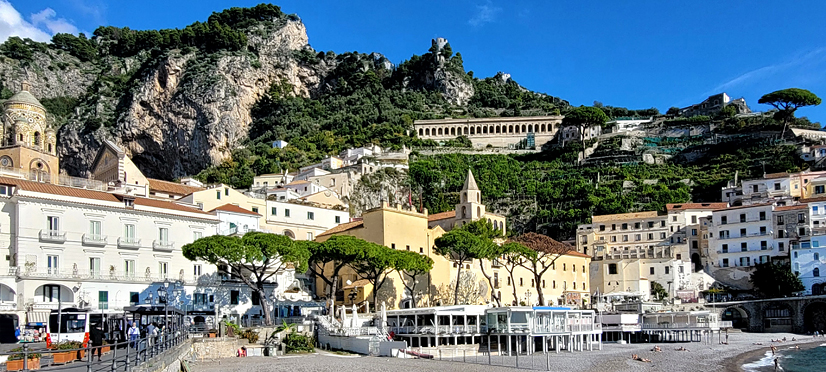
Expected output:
(650, 236)
(764, 245)
(309, 236)
(625, 238)
(421, 249)
(564, 266)
(53, 264)
(662, 235)
(612, 269)
(744, 247)
(815, 244)
(94, 230)
(781, 247)
(51, 293)
(218, 194)
(723, 220)
(816, 272)
(777, 186)
(533, 283)
(583, 268)
(521, 282)
(814, 209)
(651, 225)
(163, 269)
(134, 298)
(129, 268)
(573, 268)
(129, 233)
(393, 245)
(163, 235)
(196, 270)
(673, 218)
(779, 220)
(310, 215)
(637, 237)
(725, 248)
(754, 188)
(197, 235)
(256, 298)
(693, 219)
(233, 297)
(601, 227)
(574, 285)
(801, 231)
(625, 226)
(274, 211)
(94, 267)
(651, 271)
(613, 226)
(742, 217)
(199, 298)
(817, 256)
(553, 284)
(667, 269)
(254, 209)
(743, 232)
(762, 230)
(693, 232)
(53, 224)
(338, 219)
(509, 281)
(762, 216)
(801, 218)
(286, 213)
(725, 262)
(662, 223)
(103, 300)
(226, 192)
(636, 225)
(543, 283)
(820, 189)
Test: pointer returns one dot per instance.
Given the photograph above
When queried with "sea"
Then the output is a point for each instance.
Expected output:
(791, 360)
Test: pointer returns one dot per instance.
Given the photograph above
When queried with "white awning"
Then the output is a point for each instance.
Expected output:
(38, 317)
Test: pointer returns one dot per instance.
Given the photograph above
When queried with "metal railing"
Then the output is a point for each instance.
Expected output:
(129, 243)
(161, 245)
(121, 356)
(94, 239)
(53, 235)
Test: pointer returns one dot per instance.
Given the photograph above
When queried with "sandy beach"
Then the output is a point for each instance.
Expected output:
(613, 357)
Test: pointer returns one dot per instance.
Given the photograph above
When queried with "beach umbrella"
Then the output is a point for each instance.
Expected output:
(383, 315)
(355, 317)
(343, 316)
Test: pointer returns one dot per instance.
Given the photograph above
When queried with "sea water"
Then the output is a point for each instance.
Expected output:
(791, 360)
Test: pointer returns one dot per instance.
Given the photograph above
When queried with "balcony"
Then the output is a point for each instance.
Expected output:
(129, 243)
(161, 245)
(94, 239)
(52, 236)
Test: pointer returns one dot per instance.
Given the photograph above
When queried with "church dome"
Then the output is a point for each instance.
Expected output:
(26, 98)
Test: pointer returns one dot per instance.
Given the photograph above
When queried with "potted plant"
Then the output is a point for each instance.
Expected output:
(213, 333)
(61, 356)
(105, 348)
(15, 361)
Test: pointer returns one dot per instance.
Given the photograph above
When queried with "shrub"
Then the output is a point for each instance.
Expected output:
(20, 355)
(299, 343)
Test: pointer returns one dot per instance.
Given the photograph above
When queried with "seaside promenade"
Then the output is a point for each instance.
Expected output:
(613, 357)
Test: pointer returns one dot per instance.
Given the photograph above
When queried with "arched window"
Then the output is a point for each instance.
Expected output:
(50, 147)
(490, 129)
(498, 129)
(816, 272)
(485, 130)
(421, 132)
(479, 198)
(440, 131)
(464, 212)
(478, 211)
(427, 131)
(472, 130)
(510, 128)
(465, 130)
(36, 140)
(523, 128)
(452, 131)
(530, 128)
(542, 128)
(464, 198)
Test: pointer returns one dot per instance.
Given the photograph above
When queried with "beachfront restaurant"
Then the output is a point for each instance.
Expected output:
(435, 326)
(682, 326)
(526, 330)
(620, 327)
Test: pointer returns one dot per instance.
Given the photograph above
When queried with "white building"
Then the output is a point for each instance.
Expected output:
(302, 221)
(74, 247)
(809, 258)
(628, 124)
(235, 220)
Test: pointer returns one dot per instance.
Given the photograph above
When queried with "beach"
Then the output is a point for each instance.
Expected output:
(613, 357)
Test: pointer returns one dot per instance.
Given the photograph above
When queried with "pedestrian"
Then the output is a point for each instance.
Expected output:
(17, 333)
(776, 364)
(134, 333)
(96, 337)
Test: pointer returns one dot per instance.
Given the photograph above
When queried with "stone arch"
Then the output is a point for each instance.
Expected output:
(465, 130)
(818, 289)
(51, 292)
(485, 130)
(510, 128)
(814, 317)
(440, 131)
(452, 131)
(490, 129)
(464, 211)
(421, 132)
(289, 234)
(6, 162)
(695, 260)
(524, 128)
(37, 140)
(479, 211)
(478, 130)
(472, 130)
(498, 129)
(530, 128)
(479, 198)
(738, 317)
(427, 131)
(542, 128)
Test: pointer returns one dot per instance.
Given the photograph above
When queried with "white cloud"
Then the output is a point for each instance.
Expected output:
(802, 62)
(13, 24)
(484, 14)
(42, 26)
(46, 18)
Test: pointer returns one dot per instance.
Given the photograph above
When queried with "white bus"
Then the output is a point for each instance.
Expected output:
(76, 323)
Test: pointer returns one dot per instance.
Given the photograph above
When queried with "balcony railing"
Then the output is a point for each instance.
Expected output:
(54, 236)
(129, 243)
(117, 276)
(161, 245)
(94, 239)
(692, 325)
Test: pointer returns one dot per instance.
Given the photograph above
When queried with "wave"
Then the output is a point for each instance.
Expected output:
(766, 361)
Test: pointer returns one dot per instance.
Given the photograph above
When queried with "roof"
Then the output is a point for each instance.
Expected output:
(743, 207)
(776, 175)
(298, 182)
(357, 283)
(791, 207)
(47, 188)
(685, 206)
(174, 188)
(577, 254)
(624, 216)
(232, 208)
(813, 200)
(470, 182)
(441, 216)
(25, 97)
(343, 227)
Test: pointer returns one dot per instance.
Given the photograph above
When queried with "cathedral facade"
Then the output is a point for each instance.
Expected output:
(28, 144)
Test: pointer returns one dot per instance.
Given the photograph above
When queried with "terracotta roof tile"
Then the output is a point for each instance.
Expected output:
(813, 200)
(577, 254)
(234, 209)
(48, 188)
(343, 227)
(173, 188)
(743, 207)
(441, 216)
(791, 207)
(624, 216)
(776, 175)
(683, 206)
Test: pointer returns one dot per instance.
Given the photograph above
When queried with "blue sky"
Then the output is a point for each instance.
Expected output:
(636, 54)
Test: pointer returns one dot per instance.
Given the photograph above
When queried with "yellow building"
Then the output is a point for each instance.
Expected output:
(470, 208)
(27, 144)
(405, 229)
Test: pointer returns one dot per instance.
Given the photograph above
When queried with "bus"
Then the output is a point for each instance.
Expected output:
(76, 323)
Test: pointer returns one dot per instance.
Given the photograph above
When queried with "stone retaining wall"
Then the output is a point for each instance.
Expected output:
(216, 348)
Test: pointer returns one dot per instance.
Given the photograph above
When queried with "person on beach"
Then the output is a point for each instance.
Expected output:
(776, 364)
(681, 349)
(637, 358)
(774, 349)
(657, 349)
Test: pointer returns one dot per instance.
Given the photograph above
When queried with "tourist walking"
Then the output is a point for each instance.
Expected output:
(96, 337)
(134, 333)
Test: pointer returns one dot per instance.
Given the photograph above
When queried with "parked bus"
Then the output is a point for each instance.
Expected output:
(76, 323)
